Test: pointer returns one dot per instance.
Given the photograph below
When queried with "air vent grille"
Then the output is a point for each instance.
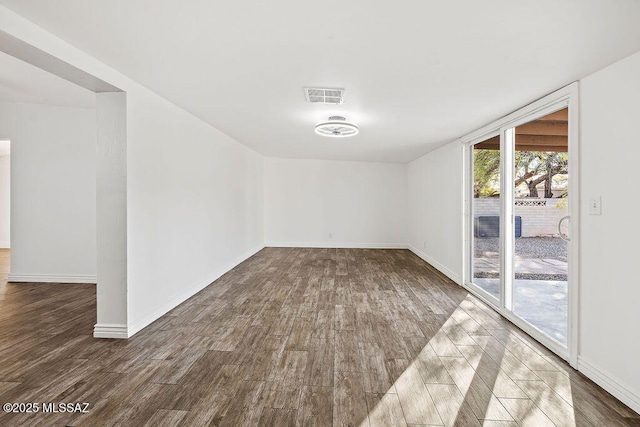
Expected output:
(324, 95)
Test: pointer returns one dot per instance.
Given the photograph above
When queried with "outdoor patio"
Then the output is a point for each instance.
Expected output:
(540, 286)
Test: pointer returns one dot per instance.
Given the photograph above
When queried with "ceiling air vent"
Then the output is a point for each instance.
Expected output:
(324, 95)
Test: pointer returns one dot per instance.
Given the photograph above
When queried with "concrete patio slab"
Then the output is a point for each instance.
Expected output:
(543, 303)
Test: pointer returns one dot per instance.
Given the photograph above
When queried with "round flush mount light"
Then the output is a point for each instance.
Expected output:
(336, 127)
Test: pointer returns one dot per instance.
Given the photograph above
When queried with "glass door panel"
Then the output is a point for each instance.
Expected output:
(486, 208)
(540, 209)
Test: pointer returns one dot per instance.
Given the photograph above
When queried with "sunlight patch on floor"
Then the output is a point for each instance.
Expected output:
(476, 370)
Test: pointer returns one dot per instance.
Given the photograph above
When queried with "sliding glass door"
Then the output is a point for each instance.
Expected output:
(519, 225)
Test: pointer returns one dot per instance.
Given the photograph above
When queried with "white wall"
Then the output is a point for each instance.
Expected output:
(609, 285)
(111, 218)
(5, 201)
(53, 210)
(360, 204)
(435, 209)
(194, 195)
(189, 186)
(194, 202)
(609, 289)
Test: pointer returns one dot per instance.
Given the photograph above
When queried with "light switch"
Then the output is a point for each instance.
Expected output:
(595, 206)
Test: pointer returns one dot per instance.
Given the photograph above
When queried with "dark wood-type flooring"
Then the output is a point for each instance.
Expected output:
(321, 337)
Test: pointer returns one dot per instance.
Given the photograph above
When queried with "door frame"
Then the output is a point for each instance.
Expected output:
(562, 98)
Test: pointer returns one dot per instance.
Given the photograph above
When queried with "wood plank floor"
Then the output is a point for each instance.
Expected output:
(322, 337)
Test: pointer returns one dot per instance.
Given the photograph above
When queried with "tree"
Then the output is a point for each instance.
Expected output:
(531, 169)
(486, 169)
(535, 167)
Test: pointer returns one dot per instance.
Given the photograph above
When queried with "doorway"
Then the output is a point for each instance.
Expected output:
(519, 222)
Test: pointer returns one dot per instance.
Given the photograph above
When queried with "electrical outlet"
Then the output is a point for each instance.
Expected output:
(595, 206)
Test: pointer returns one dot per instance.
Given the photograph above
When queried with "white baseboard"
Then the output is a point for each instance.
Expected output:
(153, 315)
(440, 267)
(51, 278)
(598, 376)
(104, 330)
(332, 245)
(601, 378)
(5, 244)
(607, 382)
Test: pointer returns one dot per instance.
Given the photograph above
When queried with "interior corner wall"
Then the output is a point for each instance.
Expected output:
(609, 286)
(435, 209)
(5, 201)
(194, 205)
(327, 203)
(53, 209)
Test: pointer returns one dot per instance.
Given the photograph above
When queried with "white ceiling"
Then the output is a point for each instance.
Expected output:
(22, 82)
(417, 73)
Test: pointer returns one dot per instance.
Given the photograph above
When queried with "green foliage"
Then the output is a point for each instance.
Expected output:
(535, 167)
(562, 203)
(531, 168)
(486, 171)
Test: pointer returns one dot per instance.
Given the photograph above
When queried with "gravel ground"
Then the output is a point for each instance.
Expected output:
(526, 247)
(522, 276)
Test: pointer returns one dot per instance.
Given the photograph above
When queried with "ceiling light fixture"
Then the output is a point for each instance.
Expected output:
(337, 127)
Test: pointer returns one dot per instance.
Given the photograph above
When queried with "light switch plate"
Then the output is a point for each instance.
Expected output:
(595, 205)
